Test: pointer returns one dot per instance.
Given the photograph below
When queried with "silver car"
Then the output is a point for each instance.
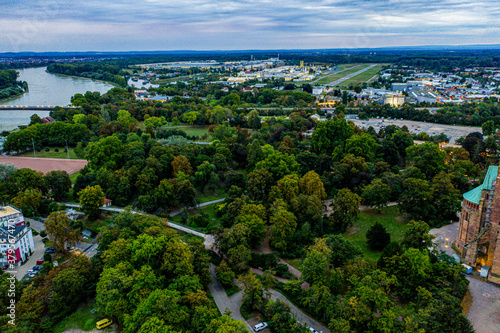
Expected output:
(260, 326)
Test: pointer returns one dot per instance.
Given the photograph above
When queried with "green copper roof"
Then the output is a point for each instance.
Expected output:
(475, 195)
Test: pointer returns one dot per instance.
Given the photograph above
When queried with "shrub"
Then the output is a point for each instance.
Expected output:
(56, 150)
(47, 149)
(43, 233)
(377, 237)
(264, 261)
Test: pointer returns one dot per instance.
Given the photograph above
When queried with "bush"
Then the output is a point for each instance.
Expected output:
(199, 220)
(377, 237)
(47, 257)
(282, 271)
(56, 150)
(47, 149)
(43, 233)
(264, 261)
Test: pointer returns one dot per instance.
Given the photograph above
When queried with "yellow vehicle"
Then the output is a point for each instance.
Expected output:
(103, 323)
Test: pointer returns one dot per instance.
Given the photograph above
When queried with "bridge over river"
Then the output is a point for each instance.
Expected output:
(34, 107)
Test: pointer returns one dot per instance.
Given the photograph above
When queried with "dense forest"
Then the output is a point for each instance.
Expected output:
(9, 86)
(96, 71)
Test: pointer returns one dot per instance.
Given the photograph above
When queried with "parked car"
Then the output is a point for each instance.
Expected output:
(103, 323)
(50, 249)
(30, 271)
(40, 262)
(37, 267)
(313, 330)
(260, 326)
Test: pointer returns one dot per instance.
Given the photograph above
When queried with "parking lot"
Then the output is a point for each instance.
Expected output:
(453, 132)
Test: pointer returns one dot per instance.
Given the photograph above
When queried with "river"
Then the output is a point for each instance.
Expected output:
(45, 89)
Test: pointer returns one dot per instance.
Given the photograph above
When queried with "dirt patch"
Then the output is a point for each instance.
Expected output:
(45, 164)
(466, 303)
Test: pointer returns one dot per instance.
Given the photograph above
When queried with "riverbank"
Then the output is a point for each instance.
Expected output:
(84, 77)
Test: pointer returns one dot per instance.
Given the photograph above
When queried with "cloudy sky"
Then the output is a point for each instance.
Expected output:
(149, 25)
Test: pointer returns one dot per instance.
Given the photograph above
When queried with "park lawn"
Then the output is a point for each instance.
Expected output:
(82, 319)
(205, 197)
(191, 130)
(390, 218)
(363, 77)
(52, 154)
(334, 77)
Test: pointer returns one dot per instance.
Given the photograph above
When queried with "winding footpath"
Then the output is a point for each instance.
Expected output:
(224, 302)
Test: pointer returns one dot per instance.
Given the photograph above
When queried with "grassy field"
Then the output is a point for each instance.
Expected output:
(389, 217)
(82, 318)
(74, 176)
(192, 131)
(363, 77)
(209, 197)
(334, 77)
(52, 154)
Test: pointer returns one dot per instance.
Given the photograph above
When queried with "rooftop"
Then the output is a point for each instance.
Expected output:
(474, 195)
(7, 211)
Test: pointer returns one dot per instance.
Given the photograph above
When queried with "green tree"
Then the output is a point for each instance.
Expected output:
(416, 198)
(254, 290)
(316, 262)
(107, 152)
(427, 157)
(225, 274)
(61, 231)
(28, 201)
(377, 237)
(488, 127)
(345, 210)
(253, 119)
(91, 199)
(363, 145)
(417, 236)
(331, 135)
(311, 184)
(59, 184)
(283, 226)
(376, 194)
(181, 163)
(342, 250)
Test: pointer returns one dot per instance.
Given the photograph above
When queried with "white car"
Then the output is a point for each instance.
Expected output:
(260, 326)
(30, 271)
(313, 330)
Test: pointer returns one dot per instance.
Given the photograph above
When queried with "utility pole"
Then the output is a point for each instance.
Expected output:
(34, 150)
(67, 148)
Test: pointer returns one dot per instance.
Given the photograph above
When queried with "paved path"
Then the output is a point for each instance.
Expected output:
(484, 313)
(301, 316)
(178, 211)
(223, 302)
(38, 253)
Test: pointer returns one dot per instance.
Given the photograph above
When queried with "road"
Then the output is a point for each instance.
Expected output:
(349, 76)
(484, 313)
(38, 253)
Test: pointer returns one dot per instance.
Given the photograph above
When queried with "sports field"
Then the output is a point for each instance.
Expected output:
(45, 164)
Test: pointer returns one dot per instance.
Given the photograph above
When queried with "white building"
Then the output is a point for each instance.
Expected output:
(16, 238)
